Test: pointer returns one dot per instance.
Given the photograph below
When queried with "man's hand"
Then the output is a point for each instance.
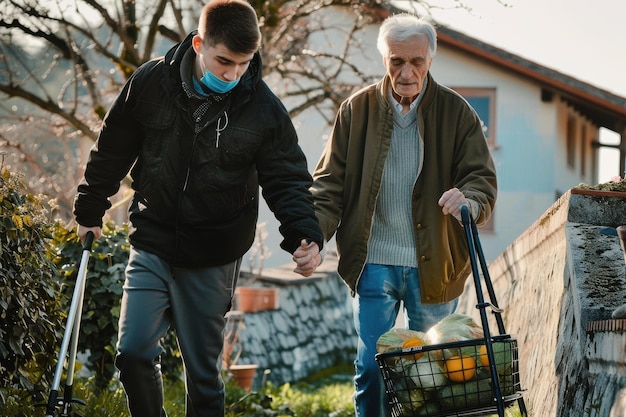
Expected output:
(82, 232)
(451, 202)
(307, 258)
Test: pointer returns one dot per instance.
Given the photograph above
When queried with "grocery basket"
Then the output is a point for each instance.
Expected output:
(476, 377)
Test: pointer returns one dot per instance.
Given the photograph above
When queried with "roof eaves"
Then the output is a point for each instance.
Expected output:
(568, 86)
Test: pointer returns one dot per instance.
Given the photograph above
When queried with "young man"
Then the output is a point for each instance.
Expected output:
(201, 131)
(404, 155)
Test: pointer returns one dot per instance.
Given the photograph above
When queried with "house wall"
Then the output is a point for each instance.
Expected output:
(526, 143)
(584, 132)
(530, 150)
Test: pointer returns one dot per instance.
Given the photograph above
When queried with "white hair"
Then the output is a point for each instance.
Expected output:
(403, 26)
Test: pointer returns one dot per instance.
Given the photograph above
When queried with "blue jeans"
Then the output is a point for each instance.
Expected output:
(376, 307)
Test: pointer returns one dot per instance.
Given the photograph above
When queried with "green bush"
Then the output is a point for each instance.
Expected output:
(38, 268)
(31, 320)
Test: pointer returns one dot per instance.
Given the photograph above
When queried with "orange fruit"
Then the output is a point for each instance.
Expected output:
(459, 368)
(484, 359)
(502, 354)
(413, 342)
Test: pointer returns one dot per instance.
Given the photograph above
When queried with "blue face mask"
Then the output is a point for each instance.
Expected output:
(213, 83)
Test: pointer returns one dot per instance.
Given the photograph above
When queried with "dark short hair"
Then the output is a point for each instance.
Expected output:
(233, 23)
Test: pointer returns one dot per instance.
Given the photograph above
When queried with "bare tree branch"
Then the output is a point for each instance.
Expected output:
(49, 106)
(124, 27)
(153, 29)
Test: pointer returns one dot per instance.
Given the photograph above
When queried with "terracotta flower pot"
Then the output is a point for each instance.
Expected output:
(244, 375)
(253, 299)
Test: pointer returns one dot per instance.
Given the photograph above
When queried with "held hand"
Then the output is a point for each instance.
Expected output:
(82, 232)
(307, 258)
(451, 202)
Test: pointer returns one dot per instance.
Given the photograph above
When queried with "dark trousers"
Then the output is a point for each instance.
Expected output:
(195, 300)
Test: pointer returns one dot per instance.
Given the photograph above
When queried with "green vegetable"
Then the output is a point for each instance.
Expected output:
(411, 399)
(454, 327)
(502, 355)
(469, 394)
(428, 409)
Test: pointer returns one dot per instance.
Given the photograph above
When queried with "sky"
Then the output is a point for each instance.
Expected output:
(579, 38)
(576, 37)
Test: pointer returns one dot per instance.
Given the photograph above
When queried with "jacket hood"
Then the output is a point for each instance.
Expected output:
(249, 80)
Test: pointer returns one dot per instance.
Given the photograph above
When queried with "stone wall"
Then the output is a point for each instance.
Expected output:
(311, 330)
(557, 280)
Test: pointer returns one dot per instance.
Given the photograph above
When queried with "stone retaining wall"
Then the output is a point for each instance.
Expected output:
(562, 274)
(311, 330)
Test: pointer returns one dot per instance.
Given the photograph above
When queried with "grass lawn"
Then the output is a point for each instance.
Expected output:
(328, 394)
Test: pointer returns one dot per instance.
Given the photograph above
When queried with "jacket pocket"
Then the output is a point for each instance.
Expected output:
(161, 157)
(156, 123)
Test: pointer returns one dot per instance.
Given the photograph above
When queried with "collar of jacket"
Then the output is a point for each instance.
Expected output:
(429, 93)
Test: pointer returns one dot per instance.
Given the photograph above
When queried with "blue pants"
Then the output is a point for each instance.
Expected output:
(157, 295)
(376, 307)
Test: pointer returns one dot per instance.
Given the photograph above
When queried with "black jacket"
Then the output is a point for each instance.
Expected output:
(197, 189)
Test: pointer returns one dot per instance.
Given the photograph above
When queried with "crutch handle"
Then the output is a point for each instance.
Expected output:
(465, 215)
(88, 241)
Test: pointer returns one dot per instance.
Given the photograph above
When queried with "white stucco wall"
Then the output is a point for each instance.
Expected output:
(525, 137)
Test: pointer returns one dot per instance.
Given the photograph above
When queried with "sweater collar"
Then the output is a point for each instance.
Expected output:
(424, 98)
(397, 107)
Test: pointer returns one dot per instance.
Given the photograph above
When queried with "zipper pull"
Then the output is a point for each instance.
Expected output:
(186, 179)
(219, 129)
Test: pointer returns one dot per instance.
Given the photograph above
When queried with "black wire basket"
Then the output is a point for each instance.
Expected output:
(474, 377)
(451, 379)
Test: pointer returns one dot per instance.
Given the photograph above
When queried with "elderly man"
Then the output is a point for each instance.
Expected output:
(404, 155)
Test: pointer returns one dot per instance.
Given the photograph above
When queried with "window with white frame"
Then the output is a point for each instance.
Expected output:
(483, 100)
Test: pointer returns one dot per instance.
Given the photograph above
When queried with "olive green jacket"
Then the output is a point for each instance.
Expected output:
(348, 176)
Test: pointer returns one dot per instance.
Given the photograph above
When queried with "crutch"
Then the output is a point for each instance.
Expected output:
(70, 339)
